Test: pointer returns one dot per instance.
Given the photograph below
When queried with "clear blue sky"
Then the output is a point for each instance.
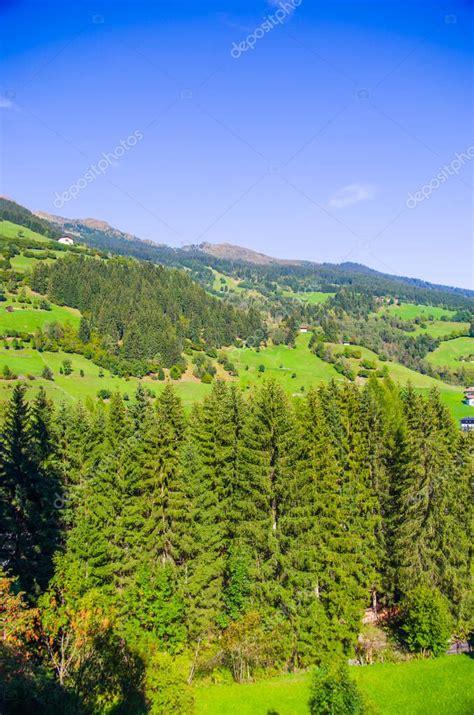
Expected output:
(306, 146)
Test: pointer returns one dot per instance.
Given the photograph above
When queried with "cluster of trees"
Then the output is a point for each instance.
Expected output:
(142, 311)
(152, 547)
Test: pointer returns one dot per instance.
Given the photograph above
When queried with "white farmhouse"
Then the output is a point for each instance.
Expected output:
(66, 240)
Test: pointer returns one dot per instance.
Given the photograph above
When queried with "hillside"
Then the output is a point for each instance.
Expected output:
(174, 318)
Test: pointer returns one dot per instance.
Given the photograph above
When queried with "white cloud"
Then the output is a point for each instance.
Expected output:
(352, 194)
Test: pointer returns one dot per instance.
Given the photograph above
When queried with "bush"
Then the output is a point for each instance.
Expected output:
(47, 373)
(8, 374)
(175, 372)
(166, 687)
(332, 691)
(104, 394)
(426, 621)
(261, 368)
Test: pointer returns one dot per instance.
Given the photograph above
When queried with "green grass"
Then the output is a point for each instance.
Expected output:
(220, 279)
(410, 311)
(451, 395)
(26, 263)
(441, 329)
(444, 686)
(74, 387)
(25, 318)
(282, 362)
(449, 352)
(311, 297)
(10, 230)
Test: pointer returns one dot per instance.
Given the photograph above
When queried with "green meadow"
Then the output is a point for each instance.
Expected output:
(450, 351)
(23, 263)
(311, 297)
(451, 395)
(13, 230)
(29, 362)
(443, 686)
(294, 368)
(26, 318)
(410, 311)
(441, 329)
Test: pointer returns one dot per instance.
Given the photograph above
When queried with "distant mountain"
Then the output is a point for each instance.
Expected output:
(254, 269)
(88, 227)
(230, 252)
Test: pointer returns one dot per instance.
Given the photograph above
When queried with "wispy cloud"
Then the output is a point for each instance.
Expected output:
(352, 194)
(6, 103)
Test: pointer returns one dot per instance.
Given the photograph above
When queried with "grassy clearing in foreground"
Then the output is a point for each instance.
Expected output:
(449, 352)
(444, 686)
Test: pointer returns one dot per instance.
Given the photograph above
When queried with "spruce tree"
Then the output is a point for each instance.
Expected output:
(267, 457)
(30, 522)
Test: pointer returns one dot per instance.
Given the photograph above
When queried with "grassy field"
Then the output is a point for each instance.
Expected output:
(220, 279)
(410, 311)
(283, 362)
(74, 387)
(22, 263)
(25, 318)
(443, 687)
(450, 351)
(451, 395)
(311, 297)
(10, 230)
(441, 329)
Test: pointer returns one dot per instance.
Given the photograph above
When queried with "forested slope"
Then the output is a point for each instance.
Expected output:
(249, 537)
(144, 311)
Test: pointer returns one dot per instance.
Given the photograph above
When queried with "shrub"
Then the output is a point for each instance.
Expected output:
(8, 374)
(426, 621)
(166, 687)
(104, 394)
(47, 373)
(67, 366)
(175, 372)
(332, 691)
(261, 368)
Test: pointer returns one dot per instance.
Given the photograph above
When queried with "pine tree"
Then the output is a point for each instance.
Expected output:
(30, 523)
(431, 509)
(266, 460)
(215, 428)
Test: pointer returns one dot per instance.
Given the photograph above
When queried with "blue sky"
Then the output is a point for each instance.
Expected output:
(307, 141)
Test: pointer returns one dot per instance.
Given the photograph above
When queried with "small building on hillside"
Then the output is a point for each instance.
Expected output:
(66, 241)
(467, 424)
(304, 328)
(469, 396)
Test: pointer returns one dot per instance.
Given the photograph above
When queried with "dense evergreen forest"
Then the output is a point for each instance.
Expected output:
(141, 311)
(143, 549)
